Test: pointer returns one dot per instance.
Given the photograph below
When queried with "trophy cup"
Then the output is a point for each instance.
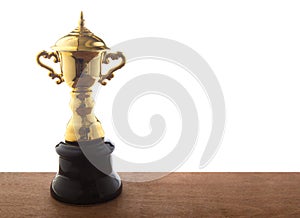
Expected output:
(78, 181)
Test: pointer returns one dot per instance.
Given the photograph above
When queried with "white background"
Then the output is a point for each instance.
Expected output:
(252, 46)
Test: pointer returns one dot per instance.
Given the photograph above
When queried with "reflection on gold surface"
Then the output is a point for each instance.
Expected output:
(80, 55)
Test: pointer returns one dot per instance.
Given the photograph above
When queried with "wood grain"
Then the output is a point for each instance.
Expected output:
(177, 195)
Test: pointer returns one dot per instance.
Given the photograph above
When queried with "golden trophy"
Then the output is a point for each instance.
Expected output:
(81, 55)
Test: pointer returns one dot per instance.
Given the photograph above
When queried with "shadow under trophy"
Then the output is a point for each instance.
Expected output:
(80, 181)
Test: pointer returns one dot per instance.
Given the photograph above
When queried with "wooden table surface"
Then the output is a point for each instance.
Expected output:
(176, 195)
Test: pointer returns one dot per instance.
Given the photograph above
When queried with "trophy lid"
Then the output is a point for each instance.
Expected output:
(80, 39)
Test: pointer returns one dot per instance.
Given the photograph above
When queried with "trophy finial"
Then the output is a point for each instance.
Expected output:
(81, 21)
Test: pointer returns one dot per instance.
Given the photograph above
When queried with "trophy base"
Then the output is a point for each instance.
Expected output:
(80, 182)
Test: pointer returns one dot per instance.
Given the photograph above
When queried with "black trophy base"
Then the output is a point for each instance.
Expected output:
(80, 182)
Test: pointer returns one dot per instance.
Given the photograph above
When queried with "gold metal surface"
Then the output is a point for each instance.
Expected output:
(49, 55)
(80, 39)
(110, 74)
(81, 55)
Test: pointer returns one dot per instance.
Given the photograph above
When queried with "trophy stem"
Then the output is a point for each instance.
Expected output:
(83, 126)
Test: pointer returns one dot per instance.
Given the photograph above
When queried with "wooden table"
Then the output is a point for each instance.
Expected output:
(176, 195)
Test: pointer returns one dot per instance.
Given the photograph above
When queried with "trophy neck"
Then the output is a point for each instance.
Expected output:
(83, 126)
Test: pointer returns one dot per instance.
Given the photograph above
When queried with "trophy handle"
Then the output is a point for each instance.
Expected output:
(49, 55)
(110, 74)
